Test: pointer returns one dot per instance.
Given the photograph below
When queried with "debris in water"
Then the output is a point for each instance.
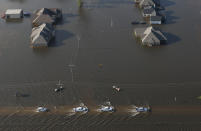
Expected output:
(111, 23)
(17, 94)
(199, 97)
(143, 109)
(175, 98)
(116, 88)
(3, 16)
(100, 65)
(60, 87)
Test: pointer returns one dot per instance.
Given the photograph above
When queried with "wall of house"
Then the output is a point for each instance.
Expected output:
(40, 42)
(155, 22)
(14, 16)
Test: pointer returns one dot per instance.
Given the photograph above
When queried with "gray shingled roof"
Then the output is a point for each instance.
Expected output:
(149, 11)
(150, 36)
(145, 3)
(45, 30)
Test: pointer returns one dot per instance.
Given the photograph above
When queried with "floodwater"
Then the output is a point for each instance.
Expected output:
(95, 49)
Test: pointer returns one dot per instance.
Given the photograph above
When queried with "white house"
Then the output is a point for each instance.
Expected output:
(42, 35)
(13, 14)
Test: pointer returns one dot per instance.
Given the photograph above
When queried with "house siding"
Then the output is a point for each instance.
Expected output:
(155, 22)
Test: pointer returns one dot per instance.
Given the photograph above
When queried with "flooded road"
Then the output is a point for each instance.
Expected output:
(94, 50)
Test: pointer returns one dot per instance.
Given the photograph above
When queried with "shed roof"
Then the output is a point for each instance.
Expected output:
(13, 11)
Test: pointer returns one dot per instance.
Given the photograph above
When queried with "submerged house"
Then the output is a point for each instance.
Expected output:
(150, 36)
(147, 3)
(54, 13)
(148, 12)
(14, 14)
(42, 35)
(40, 19)
(46, 15)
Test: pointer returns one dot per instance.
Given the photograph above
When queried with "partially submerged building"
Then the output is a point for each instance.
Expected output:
(147, 3)
(40, 19)
(150, 36)
(148, 12)
(13, 14)
(46, 15)
(43, 31)
(42, 35)
(53, 12)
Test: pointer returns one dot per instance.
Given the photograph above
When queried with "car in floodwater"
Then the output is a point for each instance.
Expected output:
(107, 109)
(143, 109)
(41, 109)
(80, 109)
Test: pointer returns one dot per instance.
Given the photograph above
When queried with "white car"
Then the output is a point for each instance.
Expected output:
(80, 109)
(41, 109)
(107, 109)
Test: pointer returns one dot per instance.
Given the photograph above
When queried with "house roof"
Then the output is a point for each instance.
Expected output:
(147, 3)
(149, 11)
(150, 35)
(53, 12)
(140, 32)
(43, 19)
(45, 30)
(13, 11)
(47, 11)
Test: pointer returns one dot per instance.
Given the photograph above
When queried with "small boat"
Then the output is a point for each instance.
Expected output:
(107, 109)
(143, 109)
(41, 109)
(116, 88)
(80, 109)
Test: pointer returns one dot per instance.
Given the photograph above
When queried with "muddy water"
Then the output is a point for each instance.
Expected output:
(94, 50)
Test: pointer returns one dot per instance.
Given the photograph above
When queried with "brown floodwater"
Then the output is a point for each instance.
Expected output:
(95, 49)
